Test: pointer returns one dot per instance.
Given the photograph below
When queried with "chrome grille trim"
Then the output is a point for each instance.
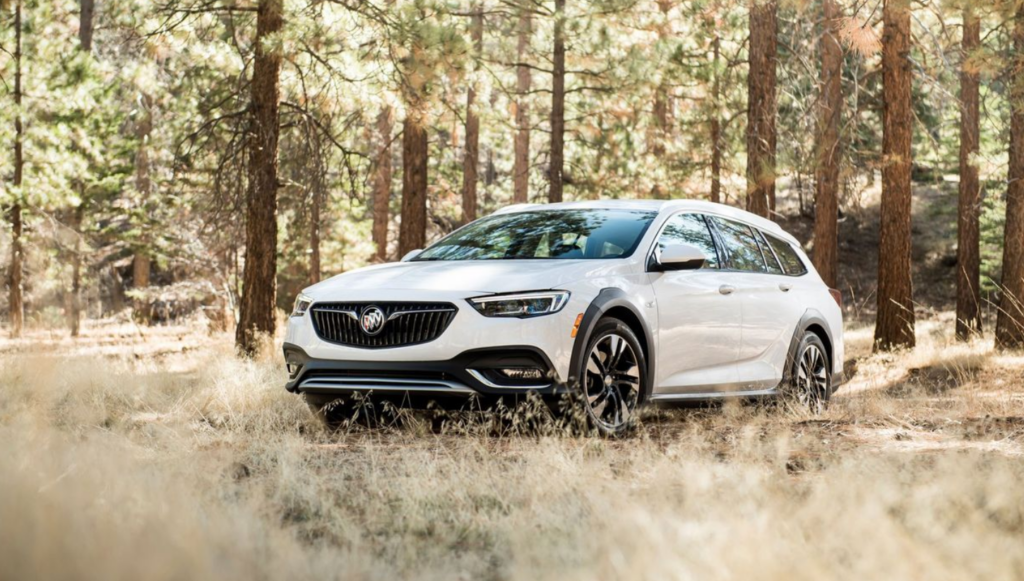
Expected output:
(407, 323)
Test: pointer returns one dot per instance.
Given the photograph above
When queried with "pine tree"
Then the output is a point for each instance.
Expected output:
(1010, 321)
(895, 324)
(826, 200)
(761, 107)
(557, 106)
(260, 275)
(968, 290)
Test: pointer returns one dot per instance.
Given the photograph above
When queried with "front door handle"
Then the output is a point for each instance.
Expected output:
(785, 287)
(726, 289)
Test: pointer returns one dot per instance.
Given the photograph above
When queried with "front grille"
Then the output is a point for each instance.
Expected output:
(404, 323)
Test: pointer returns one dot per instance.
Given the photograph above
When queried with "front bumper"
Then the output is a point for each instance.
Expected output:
(469, 373)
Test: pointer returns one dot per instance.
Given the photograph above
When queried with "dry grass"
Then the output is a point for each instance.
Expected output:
(164, 457)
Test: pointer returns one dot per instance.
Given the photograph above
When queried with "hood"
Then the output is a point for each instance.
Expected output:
(469, 276)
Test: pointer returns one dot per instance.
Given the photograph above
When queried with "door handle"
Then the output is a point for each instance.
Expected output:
(785, 287)
(726, 289)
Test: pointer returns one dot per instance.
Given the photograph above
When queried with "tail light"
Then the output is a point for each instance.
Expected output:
(837, 296)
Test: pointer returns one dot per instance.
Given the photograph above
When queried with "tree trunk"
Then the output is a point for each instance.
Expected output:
(260, 272)
(16, 304)
(413, 233)
(826, 199)
(382, 185)
(85, 28)
(471, 159)
(968, 262)
(521, 168)
(85, 24)
(895, 324)
(558, 106)
(314, 219)
(761, 108)
(1010, 321)
(141, 262)
(661, 95)
(75, 306)
(716, 120)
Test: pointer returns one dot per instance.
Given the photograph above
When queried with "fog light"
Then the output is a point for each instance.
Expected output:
(522, 373)
(293, 368)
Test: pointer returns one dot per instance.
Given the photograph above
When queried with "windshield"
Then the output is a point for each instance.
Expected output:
(545, 234)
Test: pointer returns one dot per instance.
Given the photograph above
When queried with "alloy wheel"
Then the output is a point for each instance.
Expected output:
(812, 379)
(612, 383)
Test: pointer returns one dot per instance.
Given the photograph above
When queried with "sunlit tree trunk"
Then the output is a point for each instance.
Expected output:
(1010, 321)
(471, 159)
(558, 106)
(761, 108)
(826, 199)
(413, 233)
(968, 278)
(521, 168)
(315, 210)
(259, 276)
(14, 213)
(895, 324)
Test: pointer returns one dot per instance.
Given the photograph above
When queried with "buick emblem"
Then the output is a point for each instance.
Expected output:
(372, 321)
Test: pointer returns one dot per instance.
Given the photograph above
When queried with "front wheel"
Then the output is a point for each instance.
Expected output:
(613, 378)
(810, 379)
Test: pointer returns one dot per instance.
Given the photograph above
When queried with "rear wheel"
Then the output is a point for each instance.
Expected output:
(810, 381)
(613, 378)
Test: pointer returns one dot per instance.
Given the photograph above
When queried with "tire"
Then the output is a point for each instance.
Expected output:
(809, 383)
(613, 378)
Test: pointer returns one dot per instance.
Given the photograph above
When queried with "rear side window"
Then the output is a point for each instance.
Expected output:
(773, 264)
(690, 229)
(790, 259)
(744, 253)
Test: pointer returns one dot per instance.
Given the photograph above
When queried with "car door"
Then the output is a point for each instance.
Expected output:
(698, 325)
(769, 311)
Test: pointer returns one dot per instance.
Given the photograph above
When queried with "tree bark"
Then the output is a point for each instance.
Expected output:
(558, 106)
(382, 184)
(413, 232)
(471, 159)
(16, 302)
(761, 108)
(895, 325)
(716, 120)
(521, 168)
(968, 277)
(1010, 321)
(260, 271)
(85, 24)
(826, 199)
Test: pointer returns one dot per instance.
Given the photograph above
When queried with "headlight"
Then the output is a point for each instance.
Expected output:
(302, 303)
(521, 305)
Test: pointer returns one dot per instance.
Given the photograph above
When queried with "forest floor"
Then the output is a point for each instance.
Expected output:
(154, 453)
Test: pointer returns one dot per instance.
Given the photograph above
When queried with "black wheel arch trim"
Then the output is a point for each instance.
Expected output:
(606, 300)
(811, 317)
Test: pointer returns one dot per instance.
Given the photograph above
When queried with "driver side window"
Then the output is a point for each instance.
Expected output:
(690, 229)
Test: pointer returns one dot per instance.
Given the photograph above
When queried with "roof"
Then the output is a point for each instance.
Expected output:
(701, 206)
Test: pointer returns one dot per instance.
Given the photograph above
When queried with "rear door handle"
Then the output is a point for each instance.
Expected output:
(785, 287)
(726, 289)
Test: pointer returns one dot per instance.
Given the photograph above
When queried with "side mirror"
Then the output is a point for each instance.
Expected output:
(678, 257)
(411, 254)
